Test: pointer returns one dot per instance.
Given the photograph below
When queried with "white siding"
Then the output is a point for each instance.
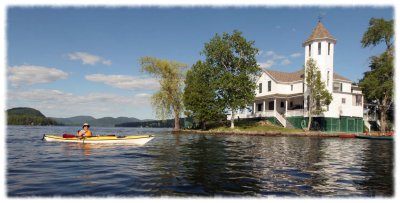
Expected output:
(277, 88)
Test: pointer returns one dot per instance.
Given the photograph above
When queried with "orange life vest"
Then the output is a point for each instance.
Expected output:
(88, 133)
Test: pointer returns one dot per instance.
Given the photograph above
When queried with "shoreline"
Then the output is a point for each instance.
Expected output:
(268, 133)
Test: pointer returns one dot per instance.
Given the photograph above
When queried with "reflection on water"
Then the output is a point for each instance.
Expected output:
(198, 165)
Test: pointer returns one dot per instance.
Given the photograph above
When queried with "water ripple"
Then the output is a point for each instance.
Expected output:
(197, 165)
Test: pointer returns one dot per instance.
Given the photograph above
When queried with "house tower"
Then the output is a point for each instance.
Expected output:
(320, 47)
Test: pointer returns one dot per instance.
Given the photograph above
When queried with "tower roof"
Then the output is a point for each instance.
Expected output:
(319, 32)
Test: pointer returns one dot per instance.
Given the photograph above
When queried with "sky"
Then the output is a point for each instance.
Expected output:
(70, 61)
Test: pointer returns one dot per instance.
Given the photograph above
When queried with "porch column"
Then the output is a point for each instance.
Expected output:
(274, 104)
(264, 106)
(254, 108)
(286, 107)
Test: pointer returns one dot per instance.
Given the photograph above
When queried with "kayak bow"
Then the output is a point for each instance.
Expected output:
(129, 139)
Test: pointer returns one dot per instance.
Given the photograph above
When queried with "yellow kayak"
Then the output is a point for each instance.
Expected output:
(129, 139)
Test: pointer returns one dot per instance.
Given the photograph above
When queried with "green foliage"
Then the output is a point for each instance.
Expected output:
(232, 60)
(168, 100)
(378, 83)
(319, 96)
(27, 116)
(379, 30)
(25, 111)
(200, 96)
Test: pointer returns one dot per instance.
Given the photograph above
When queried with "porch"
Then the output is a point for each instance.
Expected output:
(285, 106)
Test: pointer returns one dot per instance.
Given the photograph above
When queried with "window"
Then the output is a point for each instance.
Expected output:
(309, 50)
(271, 105)
(343, 100)
(269, 86)
(357, 100)
(336, 86)
(282, 104)
(291, 87)
(341, 87)
(329, 48)
(291, 104)
(260, 88)
(327, 79)
(319, 48)
(259, 107)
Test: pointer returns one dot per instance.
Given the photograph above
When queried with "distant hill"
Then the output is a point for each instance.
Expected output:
(148, 123)
(27, 116)
(25, 111)
(30, 116)
(100, 122)
(111, 122)
(76, 120)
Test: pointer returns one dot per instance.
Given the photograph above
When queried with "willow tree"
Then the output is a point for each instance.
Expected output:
(378, 83)
(318, 95)
(232, 59)
(168, 100)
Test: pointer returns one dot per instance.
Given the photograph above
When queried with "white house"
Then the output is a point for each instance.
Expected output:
(281, 97)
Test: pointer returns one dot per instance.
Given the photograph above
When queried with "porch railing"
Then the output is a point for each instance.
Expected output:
(296, 112)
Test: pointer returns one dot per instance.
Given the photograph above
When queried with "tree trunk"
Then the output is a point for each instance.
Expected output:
(177, 125)
(309, 120)
(233, 119)
(203, 125)
(310, 100)
(383, 111)
(383, 121)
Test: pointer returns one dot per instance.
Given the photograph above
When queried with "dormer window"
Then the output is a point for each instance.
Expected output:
(269, 86)
(319, 48)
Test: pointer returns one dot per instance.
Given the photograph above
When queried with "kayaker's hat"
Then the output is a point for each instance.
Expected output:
(86, 124)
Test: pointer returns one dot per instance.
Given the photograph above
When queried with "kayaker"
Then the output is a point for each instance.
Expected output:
(85, 132)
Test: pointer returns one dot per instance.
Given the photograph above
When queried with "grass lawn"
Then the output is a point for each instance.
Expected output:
(253, 126)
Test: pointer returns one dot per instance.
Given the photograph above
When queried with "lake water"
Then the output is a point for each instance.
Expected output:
(196, 165)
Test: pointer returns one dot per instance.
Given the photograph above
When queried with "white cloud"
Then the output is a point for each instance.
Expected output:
(62, 104)
(89, 59)
(269, 58)
(285, 62)
(295, 55)
(274, 56)
(125, 81)
(267, 64)
(29, 75)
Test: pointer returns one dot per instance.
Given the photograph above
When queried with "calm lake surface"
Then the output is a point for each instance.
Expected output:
(196, 165)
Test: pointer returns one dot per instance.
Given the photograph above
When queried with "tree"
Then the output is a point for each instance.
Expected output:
(168, 100)
(377, 84)
(379, 30)
(199, 96)
(233, 62)
(318, 95)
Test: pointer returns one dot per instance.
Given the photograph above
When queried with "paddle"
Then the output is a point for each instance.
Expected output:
(73, 136)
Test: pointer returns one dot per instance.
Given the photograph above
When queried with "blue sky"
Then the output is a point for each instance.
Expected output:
(70, 61)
